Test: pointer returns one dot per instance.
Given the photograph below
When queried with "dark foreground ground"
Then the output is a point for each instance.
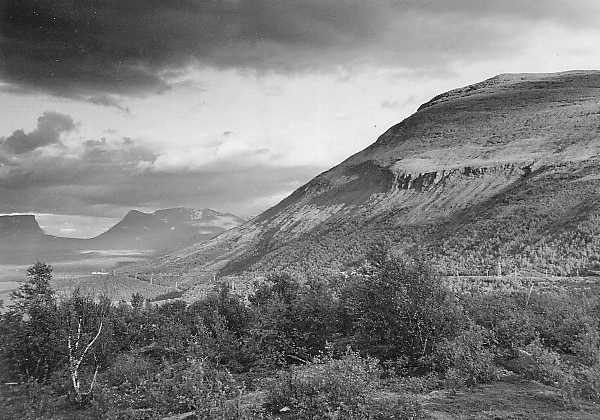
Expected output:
(509, 398)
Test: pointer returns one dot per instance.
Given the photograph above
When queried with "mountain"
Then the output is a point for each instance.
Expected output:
(15, 227)
(503, 173)
(165, 229)
(22, 241)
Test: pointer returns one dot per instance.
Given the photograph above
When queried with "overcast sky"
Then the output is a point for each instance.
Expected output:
(109, 105)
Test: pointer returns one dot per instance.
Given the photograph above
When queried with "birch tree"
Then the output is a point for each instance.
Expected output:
(81, 341)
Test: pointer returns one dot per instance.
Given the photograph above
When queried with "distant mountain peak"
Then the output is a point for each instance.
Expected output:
(135, 214)
(166, 228)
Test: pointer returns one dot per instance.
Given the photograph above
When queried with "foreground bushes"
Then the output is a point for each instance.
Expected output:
(189, 386)
(399, 309)
(575, 379)
(405, 325)
(467, 359)
(345, 388)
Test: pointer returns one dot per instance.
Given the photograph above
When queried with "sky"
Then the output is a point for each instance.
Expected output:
(112, 105)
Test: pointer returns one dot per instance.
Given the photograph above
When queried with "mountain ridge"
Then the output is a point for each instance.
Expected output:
(166, 228)
(466, 149)
(22, 238)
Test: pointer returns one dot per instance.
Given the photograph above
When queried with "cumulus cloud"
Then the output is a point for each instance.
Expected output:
(138, 46)
(50, 126)
(108, 176)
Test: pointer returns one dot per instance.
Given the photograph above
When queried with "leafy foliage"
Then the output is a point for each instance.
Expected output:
(398, 309)
(344, 388)
(467, 359)
(35, 292)
(290, 339)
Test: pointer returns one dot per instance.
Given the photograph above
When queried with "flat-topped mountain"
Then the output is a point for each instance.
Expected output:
(23, 240)
(505, 173)
(15, 226)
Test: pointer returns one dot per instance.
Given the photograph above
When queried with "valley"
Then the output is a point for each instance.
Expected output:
(448, 270)
(419, 191)
(501, 172)
(90, 263)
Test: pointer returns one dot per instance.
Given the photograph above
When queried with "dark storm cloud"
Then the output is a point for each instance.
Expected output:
(104, 177)
(78, 47)
(106, 100)
(49, 128)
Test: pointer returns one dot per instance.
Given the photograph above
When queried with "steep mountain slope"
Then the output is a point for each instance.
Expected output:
(504, 171)
(165, 229)
(19, 226)
(23, 240)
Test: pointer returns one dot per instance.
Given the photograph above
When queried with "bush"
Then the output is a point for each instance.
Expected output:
(178, 388)
(467, 359)
(543, 365)
(345, 388)
(561, 317)
(575, 380)
(587, 348)
(516, 329)
(511, 321)
(294, 320)
(401, 309)
(130, 369)
(588, 382)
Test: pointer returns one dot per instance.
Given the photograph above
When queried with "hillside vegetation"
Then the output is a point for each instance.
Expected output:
(391, 341)
(500, 173)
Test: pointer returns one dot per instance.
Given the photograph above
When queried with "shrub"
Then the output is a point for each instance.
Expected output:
(588, 382)
(177, 388)
(575, 380)
(543, 365)
(293, 320)
(467, 359)
(587, 347)
(513, 323)
(345, 388)
(401, 309)
(560, 318)
(130, 369)
(515, 329)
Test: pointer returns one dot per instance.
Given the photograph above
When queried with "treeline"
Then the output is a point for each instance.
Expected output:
(546, 223)
(525, 242)
(324, 348)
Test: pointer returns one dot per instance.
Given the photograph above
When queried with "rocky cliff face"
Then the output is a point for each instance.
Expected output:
(488, 159)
